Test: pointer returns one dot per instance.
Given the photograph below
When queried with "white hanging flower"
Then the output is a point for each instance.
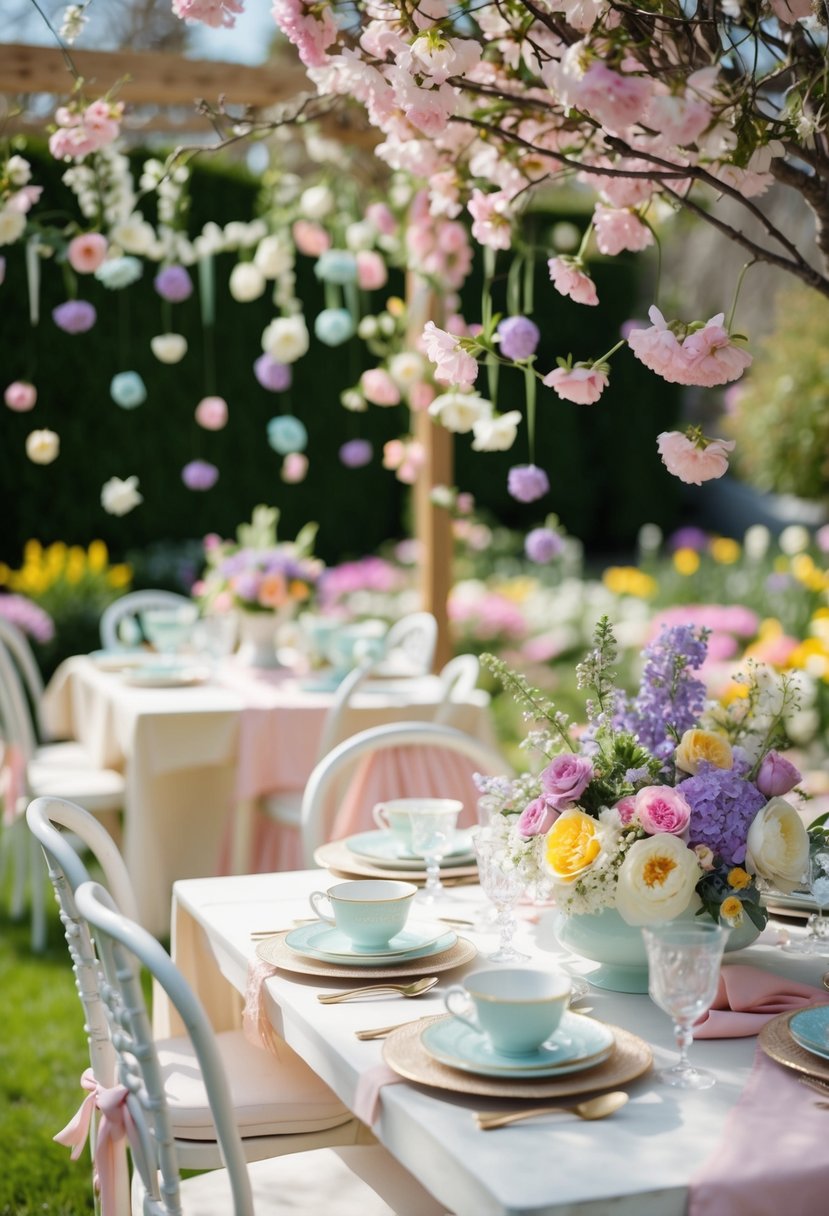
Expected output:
(406, 369)
(134, 234)
(316, 202)
(286, 339)
(118, 496)
(12, 224)
(496, 434)
(18, 170)
(169, 348)
(459, 412)
(273, 256)
(246, 282)
(42, 447)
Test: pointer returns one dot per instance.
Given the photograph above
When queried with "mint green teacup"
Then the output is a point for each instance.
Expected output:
(395, 815)
(369, 912)
(517, 1008)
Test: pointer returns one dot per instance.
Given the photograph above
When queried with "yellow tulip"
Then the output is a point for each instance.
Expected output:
(5, 573)
(724, 550)
(120, 575)
(629, 580)
(97, 556)
(32, 551)
(686, 561)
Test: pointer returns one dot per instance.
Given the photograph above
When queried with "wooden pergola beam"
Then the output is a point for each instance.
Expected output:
(148, 77)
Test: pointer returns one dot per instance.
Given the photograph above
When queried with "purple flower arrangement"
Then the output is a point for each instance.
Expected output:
(663, 805)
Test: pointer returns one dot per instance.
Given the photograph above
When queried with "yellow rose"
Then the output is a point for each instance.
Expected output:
(697, 746)
(572, 846)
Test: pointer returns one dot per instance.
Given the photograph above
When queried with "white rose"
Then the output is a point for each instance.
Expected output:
(169, 348)
(42, 447)
(656, 880)
(459, 412)
(273, 257)
(12, 224)
(18, 170)
(246, 282)
(777, 845)
(316, 202)
(286, 339)
(496, 434)
(118, 497)
(406, 369)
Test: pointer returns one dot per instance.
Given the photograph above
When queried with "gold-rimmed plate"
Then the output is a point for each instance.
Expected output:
(776, 1041)
(274, 950)
(336, 856)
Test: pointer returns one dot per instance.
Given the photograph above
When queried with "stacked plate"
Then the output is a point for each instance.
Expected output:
(578, 1043)
(419, 940)
(382, 848)
(166, 675)
(810, 1030)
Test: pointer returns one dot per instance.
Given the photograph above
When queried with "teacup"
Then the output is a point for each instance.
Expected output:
(517, 1008)
(369, 912)
(395, 815)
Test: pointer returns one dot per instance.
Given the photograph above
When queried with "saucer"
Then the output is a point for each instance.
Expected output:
(580, 1042)
(324, 942)
(383, 846)
(159, 676)
(810, 1030)
(120, 660)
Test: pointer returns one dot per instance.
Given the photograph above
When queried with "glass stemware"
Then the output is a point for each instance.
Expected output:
(433, 836)
(816, 941)
(503, 887)
(683, 970)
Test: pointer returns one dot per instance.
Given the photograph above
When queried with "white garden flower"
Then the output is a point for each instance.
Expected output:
(118, 496)
(459, 412)
(42, 447)
(794, 539)
(496, 434)
(286, 339)
(12, 224)
(656, 880)
(777, 846)
(247, 282)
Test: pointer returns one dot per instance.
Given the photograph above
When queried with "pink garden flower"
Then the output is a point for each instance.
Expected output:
(568, 278)
(661, 808)
(310, 238)
(86, 252)
(582, 384)
(618, 229)
(536, 818)
(565, 779)
(693, 458)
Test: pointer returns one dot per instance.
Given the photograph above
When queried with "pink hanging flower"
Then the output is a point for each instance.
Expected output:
(491, 221)
(693, 458)
(371, 270)
(294, 468)
(20, 396)
(215, 13)
(211, 413)
(378, 387)
(569, 279)
(310, 238)
(712, 357)
(618, 229)
(86, 252)
(583, 384)
(453, 364)
(406, 457)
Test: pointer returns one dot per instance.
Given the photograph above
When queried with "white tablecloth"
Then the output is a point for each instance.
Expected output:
(636, 1164)
(191, 754)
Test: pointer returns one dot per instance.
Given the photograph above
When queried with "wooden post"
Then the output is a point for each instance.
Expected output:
(433, 525)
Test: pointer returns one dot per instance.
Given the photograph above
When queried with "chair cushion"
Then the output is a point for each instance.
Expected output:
(283, 808)
(95, 789)
(271, 1096)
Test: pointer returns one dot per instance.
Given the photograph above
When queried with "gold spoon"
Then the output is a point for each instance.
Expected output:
(417, 988)
(593, 1108)
(379, 1032)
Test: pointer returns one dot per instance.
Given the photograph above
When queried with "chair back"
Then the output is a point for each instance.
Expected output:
(18, 645)
(410, 645)
(318, 805)
(123, 948)
(458, 679)
(16, 716)
(132, 605)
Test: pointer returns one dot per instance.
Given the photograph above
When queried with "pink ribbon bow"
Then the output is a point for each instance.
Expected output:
(114, 1124)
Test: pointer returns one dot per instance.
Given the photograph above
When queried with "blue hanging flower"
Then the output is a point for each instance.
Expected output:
(116, 273)
(287, 434)
(334, 326)
(336, 266)
(128, 390)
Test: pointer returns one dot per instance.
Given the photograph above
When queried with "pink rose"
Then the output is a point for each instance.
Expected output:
(626, 808)
(659, 808)
(20, 396)
(583, 385)
(776, 776)
(86, 252)
(693, 460)
(371, 270)
(565, 779)
(568, 278)
(536, 818)
(211, 413)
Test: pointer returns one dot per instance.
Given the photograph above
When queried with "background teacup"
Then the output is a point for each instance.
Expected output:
(395, 815)
(369, 912)
(517, 1008)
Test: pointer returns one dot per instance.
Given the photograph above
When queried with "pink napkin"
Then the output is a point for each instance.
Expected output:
(256, 1024)
(771, 1156)
(748, 997)
(367, 1097)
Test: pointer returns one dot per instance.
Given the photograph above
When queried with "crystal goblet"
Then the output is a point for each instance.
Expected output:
(433, 836)
(683, 970)
(503, 885)
(816, 941)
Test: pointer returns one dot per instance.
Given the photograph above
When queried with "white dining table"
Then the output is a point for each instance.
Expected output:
(637, 1163)
(193, 755)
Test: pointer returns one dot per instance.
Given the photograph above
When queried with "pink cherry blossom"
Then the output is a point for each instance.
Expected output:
(583, 385)
(311, 31)
(694, 460)
(657, 347)
(679, 119)
(712, 357)
(491, 224)
(215, 13)
(24, 199)
(453, 364)
(86, 252)
(406, 457)
(569, 279)
(618, 229)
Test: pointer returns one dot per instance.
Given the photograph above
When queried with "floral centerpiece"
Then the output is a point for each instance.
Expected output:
(663, 805)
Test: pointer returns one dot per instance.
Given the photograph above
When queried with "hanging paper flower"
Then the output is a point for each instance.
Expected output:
(286, 339)
(334, 326)
(42, 447)
(117, 273)
(287, 434)
(519, 337)
(336, 266)
(378, 387)
(86, 252)
(174, 284)
(543, 545)
(169, 348)
(211, 413)
(74, 316)
(128, 390)
(272, 374)
(199, 475)
(527, 482)
(294, 468)
(371, 270)
(356, 453)
(118, 496)
(20, 396)
(310, 239)
(247, 282)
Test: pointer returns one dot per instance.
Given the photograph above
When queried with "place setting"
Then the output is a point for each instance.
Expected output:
(363, 928)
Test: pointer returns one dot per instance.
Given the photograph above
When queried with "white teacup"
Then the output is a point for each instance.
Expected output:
(369, 912)
(517, 1008)
(395, 815)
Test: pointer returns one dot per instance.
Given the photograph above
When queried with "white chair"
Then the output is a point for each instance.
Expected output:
(18, 645)
(458, 680)
(331, 775)
(410, 646)
(279, 1104)
(157, 1189)
(57, 768)
(120, 616)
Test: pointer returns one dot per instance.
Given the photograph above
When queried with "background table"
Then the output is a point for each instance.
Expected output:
(192, 754)
(636, 1164)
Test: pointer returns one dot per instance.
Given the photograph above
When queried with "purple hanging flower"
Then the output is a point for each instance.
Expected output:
(173, 283)
(74, 316)
(519, 337)
(356, 453)
(272, 374)
(527, 482)
(199, 475)
(543, 545)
